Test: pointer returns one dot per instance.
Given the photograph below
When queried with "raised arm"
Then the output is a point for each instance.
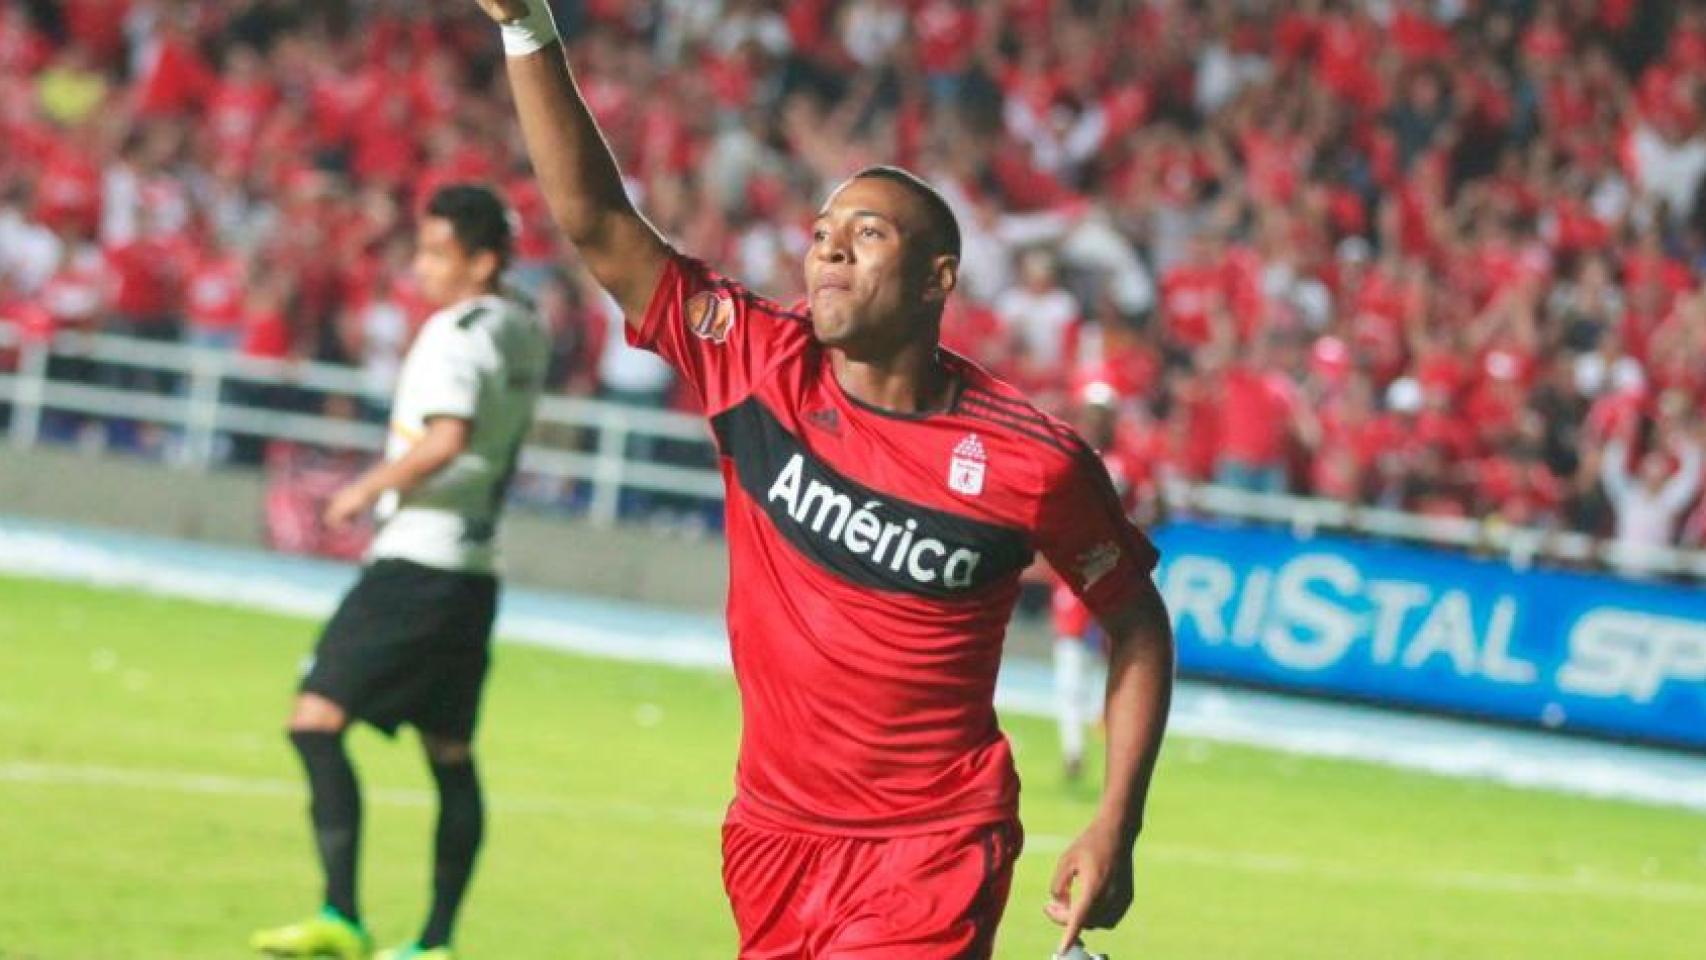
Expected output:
(1614, 471)
(576, 170)
(1678, 492)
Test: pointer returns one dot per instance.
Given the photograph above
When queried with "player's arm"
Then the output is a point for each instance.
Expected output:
(1083, 530)
(1093, 884)
(443, 442)
(577, 172)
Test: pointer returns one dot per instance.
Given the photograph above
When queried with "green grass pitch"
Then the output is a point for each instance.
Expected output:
(150, 808)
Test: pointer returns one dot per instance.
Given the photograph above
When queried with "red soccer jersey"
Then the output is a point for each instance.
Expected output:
(874, 560)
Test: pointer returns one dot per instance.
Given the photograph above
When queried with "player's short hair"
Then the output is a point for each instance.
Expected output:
(944, 224)
(478, 217)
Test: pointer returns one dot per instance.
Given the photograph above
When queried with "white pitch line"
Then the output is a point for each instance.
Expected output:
(1445, 747)
(1234, 861)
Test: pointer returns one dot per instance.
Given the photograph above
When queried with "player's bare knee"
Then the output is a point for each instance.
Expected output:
(314, 713)
(446, 751)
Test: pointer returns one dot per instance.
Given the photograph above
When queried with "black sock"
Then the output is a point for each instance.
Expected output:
(335, 810)
(461, 822)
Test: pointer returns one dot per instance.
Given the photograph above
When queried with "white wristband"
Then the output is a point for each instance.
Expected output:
(531, 33)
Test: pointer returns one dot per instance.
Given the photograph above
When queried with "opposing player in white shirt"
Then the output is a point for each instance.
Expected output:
(409, 643)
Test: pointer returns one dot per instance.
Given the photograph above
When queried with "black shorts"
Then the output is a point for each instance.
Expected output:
(408, 644)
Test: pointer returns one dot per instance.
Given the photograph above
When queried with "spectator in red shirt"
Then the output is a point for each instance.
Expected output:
(23, 48)
(949, 34)
(145, 286)
(238, 107)
(1193, 295)
(213, 299)
(1260, 415)
(21, 319)
(68, 191)
(1353, 439)
(1542, 156)
(171, 75)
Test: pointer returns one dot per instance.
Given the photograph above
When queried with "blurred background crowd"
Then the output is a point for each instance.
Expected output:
(1435, 255)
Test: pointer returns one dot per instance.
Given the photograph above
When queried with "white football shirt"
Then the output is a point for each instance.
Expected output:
(484, 361)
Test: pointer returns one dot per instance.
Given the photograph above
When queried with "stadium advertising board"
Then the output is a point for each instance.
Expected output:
(1436, 631)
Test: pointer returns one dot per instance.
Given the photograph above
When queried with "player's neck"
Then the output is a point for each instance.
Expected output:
(910, 382)
(472, 291)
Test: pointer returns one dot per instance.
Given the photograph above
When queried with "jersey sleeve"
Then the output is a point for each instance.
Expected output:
(447, 372)
(1084, 532)
(719, 336)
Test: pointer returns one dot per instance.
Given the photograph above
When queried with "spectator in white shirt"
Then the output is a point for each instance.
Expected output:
(1649, 502)
(1038, 314)
(29, 250)
(1670, 160)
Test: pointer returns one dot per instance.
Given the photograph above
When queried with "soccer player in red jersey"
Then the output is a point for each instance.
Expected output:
(883, 497)
(1077, 637)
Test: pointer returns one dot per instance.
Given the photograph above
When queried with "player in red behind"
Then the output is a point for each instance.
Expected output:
(883, 497)
(1078, 637)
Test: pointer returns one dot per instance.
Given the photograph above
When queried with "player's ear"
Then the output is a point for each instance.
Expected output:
(943, 277)
(487, 265)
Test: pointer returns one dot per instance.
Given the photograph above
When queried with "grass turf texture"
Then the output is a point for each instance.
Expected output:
(150, 807)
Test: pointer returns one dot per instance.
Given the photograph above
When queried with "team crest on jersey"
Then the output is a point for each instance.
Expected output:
(710, 316)
(966, 469)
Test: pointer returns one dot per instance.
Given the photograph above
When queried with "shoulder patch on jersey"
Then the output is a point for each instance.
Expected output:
(710, 315)
(1096, 563)
(470, 317)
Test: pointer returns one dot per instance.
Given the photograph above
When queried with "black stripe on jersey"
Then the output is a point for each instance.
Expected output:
(470, 317)
(1002, 418)
(1018, 405)
(1018, 409)
(1022, 410)
(863, 535)
(768, 306)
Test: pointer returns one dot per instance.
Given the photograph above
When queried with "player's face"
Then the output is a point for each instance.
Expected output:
(446, 272)
(871, 272)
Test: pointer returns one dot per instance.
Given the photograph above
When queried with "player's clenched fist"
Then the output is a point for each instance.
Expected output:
(504, 11)
(527, 24)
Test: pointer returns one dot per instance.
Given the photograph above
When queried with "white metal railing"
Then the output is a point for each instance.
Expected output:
(202, 410)
(1521, 547)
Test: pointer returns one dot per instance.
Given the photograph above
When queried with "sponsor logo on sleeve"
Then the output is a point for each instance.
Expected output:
(710, 316)
(1097, 562)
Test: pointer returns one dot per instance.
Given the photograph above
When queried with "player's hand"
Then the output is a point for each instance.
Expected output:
(504, 11)
(348, 504)
(1092, 885)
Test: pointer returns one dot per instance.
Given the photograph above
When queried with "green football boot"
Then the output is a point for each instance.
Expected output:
(330, 934)
(415, 951)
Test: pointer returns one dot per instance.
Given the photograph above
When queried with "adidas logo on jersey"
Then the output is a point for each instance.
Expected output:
(826, 419)
(965, 470)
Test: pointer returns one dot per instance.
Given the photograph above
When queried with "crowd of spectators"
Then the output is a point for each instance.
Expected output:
(1436, 255)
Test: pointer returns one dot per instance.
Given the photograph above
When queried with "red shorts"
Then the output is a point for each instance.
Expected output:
(931, 897)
